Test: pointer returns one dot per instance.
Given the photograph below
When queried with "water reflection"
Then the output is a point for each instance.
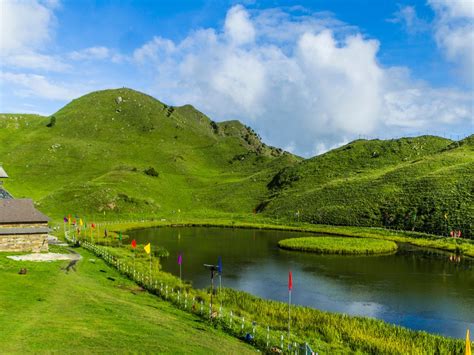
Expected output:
(418, 288)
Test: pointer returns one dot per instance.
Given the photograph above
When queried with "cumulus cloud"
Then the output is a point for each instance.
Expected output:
(304, 82)
(238, 26)
(454, 33)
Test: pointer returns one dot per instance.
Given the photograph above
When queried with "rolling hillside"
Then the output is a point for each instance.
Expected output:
(423, 184)
(121, 152)
(124, 152)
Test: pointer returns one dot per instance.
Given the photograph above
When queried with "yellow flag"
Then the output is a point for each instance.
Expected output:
(468, 343)
(147, 248)
(80, 222)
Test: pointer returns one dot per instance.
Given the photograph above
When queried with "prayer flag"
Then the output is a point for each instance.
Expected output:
(290, 281)
(134, 244)
(468, 343)
(219, 265)
(147, 248)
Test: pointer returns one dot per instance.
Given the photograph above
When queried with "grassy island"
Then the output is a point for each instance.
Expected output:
(339, 245)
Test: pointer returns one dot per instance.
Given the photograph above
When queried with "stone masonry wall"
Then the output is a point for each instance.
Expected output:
(24, 242)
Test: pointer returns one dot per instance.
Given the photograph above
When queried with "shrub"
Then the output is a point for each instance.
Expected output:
(52, 122)
(151, 172)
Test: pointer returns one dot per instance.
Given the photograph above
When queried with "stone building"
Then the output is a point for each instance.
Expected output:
(22, 227)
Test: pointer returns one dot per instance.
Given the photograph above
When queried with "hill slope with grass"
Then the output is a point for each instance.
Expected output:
(121, 152)
(94, 309)
(423, 184)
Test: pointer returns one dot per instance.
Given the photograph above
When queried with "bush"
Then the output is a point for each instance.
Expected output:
(151, 172)
(52, 122)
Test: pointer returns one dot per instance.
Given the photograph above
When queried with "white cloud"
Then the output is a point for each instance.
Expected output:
(25, 29)
(454, 33)
(91, 53)
(33, 60)
(32, 85)
(453, 8)
(238, 26)
(24, 25)
(313, 83)
(408, 17)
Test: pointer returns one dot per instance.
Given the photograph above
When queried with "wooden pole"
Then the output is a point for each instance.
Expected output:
(150, 264)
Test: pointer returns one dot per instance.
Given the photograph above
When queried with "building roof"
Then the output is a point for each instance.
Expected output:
(20, 211)
(37, 230)
(3, 173)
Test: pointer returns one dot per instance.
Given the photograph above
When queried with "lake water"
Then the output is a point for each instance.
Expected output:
(416, 288)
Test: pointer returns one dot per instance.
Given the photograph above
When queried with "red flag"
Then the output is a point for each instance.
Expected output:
(92, 225)
(290, 281)
(134, 244)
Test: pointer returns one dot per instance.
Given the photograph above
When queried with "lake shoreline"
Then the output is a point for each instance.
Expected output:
(458, 246)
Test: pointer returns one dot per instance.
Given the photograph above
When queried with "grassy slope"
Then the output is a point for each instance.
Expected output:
(93, 159)
(409, 183)
(48, 310)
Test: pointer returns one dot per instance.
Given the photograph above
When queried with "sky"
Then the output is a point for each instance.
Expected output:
(308, 76)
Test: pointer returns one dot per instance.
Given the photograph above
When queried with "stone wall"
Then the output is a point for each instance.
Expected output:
(24, 242)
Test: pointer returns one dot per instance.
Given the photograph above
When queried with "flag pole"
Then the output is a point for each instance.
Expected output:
(150, 265)
(289, 315)
(290, 287)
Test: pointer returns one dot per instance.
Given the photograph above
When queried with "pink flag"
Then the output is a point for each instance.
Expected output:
(180, 259)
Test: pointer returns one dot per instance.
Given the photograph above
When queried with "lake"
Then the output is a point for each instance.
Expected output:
(417, 288)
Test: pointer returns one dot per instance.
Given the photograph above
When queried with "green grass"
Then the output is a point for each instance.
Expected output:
(50, 311)
(339, 245)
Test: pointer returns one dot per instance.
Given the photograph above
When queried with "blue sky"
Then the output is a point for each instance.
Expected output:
(307, 75)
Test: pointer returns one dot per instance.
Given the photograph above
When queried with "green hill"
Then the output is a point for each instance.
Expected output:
(424, 184)
(123, 153)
